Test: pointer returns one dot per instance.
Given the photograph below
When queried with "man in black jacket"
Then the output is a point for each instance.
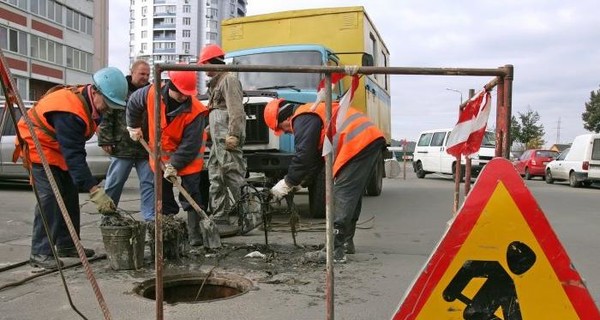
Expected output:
(125, 153)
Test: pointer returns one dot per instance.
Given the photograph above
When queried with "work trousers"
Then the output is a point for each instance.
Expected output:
(191, 183)
(226, 168)
(48, 206)
(348, 190)
(118, 173)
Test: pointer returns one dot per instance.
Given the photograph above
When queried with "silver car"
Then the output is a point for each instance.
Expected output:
(97, 159)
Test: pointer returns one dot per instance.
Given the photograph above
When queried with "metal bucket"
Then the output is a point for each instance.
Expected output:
(124, 245)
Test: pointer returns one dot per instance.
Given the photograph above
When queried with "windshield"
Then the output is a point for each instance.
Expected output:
(489, 139)
(271, 80)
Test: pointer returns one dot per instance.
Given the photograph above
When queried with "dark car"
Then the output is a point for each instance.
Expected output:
(532, 163)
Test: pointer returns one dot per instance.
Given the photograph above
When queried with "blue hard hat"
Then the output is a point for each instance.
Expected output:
(112, 85)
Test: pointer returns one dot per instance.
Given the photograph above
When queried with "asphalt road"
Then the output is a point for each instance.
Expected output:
(409, 218)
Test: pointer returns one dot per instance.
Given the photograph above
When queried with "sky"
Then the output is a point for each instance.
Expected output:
(554, 46)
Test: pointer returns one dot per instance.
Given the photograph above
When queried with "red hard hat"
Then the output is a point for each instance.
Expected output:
(271, 113)
(209, 52)
(185, 81)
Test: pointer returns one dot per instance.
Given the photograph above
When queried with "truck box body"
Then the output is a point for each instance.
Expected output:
(347, 32)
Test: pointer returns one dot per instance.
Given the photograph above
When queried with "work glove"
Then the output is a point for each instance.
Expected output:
(170, 172)
(231, 142)
(135, 133)
(103, 202)
(281, 189)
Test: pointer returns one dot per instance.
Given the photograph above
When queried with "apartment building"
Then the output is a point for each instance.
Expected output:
(50, 42)
(174, 31)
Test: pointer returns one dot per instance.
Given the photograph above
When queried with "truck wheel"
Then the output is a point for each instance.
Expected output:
(376, 181)
(316, 196)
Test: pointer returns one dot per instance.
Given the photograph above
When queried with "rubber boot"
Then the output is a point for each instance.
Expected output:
(193, 227)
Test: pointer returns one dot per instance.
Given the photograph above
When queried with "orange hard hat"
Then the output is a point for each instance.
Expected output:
(184, 81)
(209, 52)
(271, 114)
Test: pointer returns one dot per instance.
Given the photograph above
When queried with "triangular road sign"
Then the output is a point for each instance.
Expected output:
(499, 259)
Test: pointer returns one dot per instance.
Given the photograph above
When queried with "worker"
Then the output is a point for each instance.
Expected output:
(356, 145)
(125, 153)
(63, 120)
(183, 119)
(227, 123)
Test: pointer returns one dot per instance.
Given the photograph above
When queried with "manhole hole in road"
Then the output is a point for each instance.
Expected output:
(190, 288)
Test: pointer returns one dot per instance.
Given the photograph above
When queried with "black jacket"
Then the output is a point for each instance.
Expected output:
(113, 132)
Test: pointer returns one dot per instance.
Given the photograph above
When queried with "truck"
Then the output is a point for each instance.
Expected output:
(343, 36)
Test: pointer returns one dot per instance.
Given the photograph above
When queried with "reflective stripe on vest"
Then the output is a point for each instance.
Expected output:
(68, 99)
(173, 132)
(356, 132)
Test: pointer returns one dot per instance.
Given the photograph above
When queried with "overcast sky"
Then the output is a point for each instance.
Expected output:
(553, 45)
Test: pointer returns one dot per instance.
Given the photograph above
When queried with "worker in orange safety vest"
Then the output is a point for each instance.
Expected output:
(63, 120)
(356, 145)
(183, 119)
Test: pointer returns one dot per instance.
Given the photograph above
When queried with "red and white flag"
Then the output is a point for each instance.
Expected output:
(338, 117)
(468, 133)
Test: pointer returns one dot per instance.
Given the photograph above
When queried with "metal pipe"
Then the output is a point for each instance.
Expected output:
(158, 238)
(468, 160)
(508, 80)
(329, 211)
(335, 69)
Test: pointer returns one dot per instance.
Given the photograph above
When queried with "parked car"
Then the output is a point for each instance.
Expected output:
(97, 159)
(580, 164)
(532, 163)
(430, 154)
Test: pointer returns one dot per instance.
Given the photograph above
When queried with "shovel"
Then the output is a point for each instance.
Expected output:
(210, 232)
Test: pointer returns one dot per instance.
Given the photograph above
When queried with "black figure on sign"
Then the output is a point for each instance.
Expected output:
(498, 290)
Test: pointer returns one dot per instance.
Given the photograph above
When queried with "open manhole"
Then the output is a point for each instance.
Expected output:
(195, 287)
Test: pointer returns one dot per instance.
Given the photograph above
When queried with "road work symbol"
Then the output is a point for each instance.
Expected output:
(498, 290)
(499, 259)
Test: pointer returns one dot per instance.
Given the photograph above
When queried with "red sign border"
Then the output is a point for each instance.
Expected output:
(498, 170)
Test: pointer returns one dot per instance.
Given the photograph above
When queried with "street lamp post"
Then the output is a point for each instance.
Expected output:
(459, 92)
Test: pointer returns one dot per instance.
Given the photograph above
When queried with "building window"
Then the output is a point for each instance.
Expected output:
(212, 24)
(144, 47)
(187, 21)
(13, 40)
(144, 22)
(186, 33)
(211, 36)
(144, 11)
(144, 34)
(186, 46)
(187, 8)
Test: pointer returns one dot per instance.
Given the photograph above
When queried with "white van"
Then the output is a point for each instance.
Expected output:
(580, 165)
(430, 154)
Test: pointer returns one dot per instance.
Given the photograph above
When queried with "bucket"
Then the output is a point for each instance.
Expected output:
(124, 245)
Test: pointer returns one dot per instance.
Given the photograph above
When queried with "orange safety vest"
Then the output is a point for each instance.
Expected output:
(356, 132)
(172, 132)
(68, 99)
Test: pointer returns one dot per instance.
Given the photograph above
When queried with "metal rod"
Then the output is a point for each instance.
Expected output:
(508, 80)
(468, 163)
(457, 174)
(502, 71)
(329, 211)
(158, 238)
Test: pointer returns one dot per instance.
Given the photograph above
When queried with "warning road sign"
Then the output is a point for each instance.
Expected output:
(499, 259)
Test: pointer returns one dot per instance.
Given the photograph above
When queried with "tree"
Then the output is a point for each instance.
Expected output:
(591, 116)
(526, 130)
